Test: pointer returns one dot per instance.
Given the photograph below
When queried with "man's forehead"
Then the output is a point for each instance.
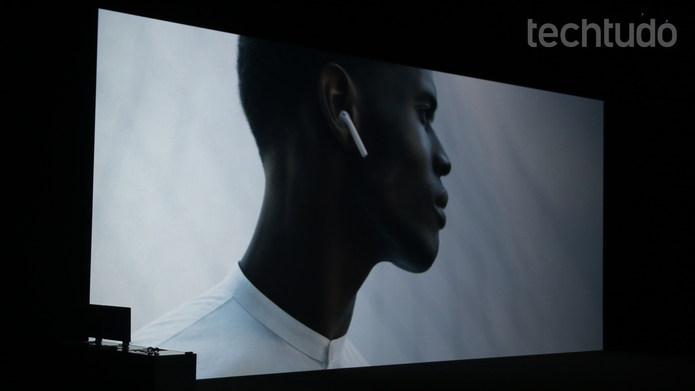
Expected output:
(416, 80)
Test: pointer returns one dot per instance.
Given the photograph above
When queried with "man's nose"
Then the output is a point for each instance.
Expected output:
(442, 164)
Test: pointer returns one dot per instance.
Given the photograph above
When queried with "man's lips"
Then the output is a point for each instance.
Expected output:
(441, 201)
(441, 217)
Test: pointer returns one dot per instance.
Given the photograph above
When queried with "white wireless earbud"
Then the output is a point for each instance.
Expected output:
(345, 118)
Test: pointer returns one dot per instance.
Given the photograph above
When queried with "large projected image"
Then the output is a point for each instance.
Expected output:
(472, 228)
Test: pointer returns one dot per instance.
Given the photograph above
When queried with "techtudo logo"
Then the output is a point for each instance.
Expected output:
(548, 33)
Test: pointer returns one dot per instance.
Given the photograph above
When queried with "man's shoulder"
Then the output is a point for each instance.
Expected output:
(177, 321)
(227, 340)
(198, 312)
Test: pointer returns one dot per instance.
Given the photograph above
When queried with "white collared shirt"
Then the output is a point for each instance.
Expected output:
(235, 330)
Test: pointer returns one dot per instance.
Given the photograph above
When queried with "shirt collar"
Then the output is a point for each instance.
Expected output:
(281, 323)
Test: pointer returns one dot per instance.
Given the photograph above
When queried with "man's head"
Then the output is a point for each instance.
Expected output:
(396, 194)
(277, 82)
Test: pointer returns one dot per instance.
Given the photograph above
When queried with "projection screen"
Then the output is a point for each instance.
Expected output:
(178, 188)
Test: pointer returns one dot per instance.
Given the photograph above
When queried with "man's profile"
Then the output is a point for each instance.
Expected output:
(329, 215)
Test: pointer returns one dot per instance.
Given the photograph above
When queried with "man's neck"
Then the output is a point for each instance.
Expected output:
(307, 257)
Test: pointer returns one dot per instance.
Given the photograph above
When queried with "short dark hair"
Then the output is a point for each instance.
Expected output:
(275, 79)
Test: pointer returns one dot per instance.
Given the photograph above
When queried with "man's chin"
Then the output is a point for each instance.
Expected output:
(418, 261)
(413, 251)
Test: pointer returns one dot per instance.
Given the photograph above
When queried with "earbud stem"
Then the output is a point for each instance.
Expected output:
(345, 118)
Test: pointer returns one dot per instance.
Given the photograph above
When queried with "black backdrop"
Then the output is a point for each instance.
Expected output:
(648, 94)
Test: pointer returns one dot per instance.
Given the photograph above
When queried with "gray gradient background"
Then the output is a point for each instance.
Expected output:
(178, 186)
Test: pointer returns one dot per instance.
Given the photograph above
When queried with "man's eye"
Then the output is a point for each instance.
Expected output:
(425, 114)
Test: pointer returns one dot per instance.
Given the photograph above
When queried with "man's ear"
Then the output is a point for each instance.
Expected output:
(337, 93)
